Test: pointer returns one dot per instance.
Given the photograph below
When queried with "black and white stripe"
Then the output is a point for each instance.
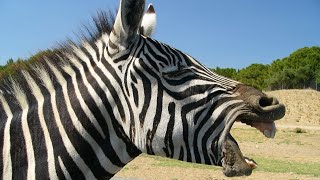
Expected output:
(85, 111)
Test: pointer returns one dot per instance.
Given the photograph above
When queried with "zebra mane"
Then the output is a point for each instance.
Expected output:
(102, 25)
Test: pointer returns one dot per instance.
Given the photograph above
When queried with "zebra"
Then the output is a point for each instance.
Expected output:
(87, 109)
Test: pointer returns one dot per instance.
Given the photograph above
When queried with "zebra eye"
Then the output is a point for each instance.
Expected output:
(177, 72)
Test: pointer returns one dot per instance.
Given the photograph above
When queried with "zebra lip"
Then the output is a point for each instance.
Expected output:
(233, 162)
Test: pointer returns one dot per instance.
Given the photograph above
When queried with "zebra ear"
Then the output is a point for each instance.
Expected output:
(149, 21)
(126, 25)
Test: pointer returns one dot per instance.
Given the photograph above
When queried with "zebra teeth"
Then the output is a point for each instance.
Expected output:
(251, 163)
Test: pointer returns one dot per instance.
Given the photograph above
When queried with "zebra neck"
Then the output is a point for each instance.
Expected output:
(59, 119)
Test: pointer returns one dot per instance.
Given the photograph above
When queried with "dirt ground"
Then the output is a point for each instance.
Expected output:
(142, 168)
(296, 142)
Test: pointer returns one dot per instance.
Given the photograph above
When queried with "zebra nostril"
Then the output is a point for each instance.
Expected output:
(267, 101)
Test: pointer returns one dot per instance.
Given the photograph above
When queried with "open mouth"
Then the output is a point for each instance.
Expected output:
(259, 111)
(233, 161)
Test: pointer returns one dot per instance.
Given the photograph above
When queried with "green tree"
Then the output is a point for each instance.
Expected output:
(298, 70)
(255, 75)
(227, 72)
(13, 66)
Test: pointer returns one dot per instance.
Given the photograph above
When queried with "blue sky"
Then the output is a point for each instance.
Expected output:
(224, 33)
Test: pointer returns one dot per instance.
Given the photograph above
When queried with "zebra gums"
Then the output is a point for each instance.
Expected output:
(85, 111)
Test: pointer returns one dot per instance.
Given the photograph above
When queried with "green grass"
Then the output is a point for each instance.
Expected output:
(166, 162)
(288, 141)
(267, 164)
(248, 135)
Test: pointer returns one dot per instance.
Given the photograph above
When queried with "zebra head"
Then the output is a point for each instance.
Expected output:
(177, 107)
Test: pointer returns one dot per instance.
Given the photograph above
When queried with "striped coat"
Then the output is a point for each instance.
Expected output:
(83, 111)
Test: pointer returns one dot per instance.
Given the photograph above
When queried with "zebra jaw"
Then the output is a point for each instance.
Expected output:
(233, 162)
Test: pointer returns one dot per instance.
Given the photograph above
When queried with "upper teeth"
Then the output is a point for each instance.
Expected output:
(252, 164)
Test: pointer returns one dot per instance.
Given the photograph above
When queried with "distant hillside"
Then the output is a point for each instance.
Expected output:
(302, 106)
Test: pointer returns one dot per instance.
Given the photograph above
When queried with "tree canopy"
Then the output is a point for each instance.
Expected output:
(12, 66)
(301, 69)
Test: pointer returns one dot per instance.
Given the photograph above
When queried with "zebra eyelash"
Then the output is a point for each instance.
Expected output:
(177, 72)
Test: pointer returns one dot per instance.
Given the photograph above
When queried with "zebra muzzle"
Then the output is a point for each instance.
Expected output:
(259, 111)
